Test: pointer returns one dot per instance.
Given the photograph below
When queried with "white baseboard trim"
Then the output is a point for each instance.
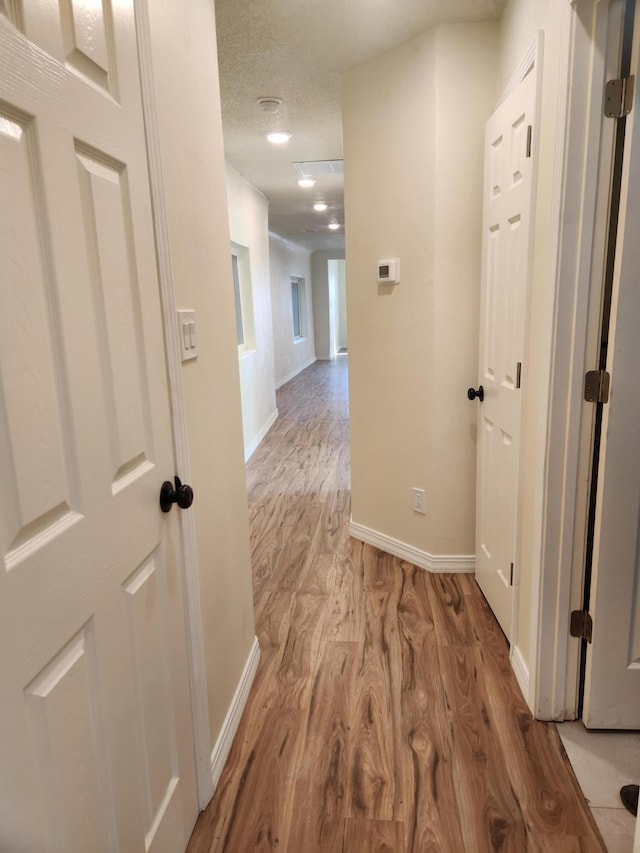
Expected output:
(430, 562)
(521, 670)
(251, 448)
(295, 372)
(229, 728)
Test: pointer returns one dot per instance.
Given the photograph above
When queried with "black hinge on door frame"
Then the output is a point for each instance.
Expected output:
(511, 575)
(596, 386)
(529, 135)
(519, 374)
(618, 97)
(581, 625)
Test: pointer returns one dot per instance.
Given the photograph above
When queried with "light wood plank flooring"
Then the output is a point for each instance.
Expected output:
(384, 715)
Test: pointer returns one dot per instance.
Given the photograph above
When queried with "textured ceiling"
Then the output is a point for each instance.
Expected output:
(297, 50)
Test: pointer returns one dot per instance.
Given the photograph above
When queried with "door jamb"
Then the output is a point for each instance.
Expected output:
(188, 557)
(574, 217)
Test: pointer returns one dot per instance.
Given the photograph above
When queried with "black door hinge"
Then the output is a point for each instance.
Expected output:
(581, 625)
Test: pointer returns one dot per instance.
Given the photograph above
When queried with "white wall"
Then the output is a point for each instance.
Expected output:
(248, 224)
(413, 348)
(290, 357)
(324, 299)
(187, 95)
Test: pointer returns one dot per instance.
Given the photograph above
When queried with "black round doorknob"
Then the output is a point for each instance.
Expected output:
(181, 495)
(472, 393)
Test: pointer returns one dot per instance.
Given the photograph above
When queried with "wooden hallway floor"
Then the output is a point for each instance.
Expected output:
(384, 715)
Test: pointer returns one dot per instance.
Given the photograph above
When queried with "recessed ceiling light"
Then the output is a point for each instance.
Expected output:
(278, 137)
(334, 226)
(306, 182)
(320, 206)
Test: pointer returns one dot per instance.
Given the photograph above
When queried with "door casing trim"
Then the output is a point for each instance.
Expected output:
(555, 655)
(188, 539)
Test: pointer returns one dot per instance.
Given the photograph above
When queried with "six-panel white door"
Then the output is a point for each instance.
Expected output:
(612, 683)
(505, 271)
(95, 735)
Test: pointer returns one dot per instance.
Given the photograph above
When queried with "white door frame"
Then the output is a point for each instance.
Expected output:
(188, 540)
(574, 220)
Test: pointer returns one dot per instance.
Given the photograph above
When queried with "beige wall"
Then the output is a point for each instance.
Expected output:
(186, 83)
(290, 357)
(413, 184)
(414, 348)
(323, 302)
(520, 22)
(248, 224)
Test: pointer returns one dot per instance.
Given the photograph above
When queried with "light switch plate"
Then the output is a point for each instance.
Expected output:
(187, 333)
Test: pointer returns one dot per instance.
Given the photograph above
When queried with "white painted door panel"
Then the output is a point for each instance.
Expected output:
(96, 741)
(612, 685)
(505, 270)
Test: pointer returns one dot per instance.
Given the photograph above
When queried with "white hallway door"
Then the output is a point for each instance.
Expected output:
(505, 270)
(612, 684)
(96, 735)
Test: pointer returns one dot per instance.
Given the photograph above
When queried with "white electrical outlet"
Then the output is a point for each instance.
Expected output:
(419, 501)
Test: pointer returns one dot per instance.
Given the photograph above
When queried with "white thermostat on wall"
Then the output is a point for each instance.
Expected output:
(389, 271)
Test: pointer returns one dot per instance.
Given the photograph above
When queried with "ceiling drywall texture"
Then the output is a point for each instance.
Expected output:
(297, 50)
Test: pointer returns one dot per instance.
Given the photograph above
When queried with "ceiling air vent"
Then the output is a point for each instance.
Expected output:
(319, 168)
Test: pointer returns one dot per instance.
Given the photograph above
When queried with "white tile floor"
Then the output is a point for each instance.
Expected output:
(603, 762)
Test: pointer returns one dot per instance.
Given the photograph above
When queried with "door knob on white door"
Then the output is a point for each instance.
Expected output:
(181, 495)
(472, 393)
